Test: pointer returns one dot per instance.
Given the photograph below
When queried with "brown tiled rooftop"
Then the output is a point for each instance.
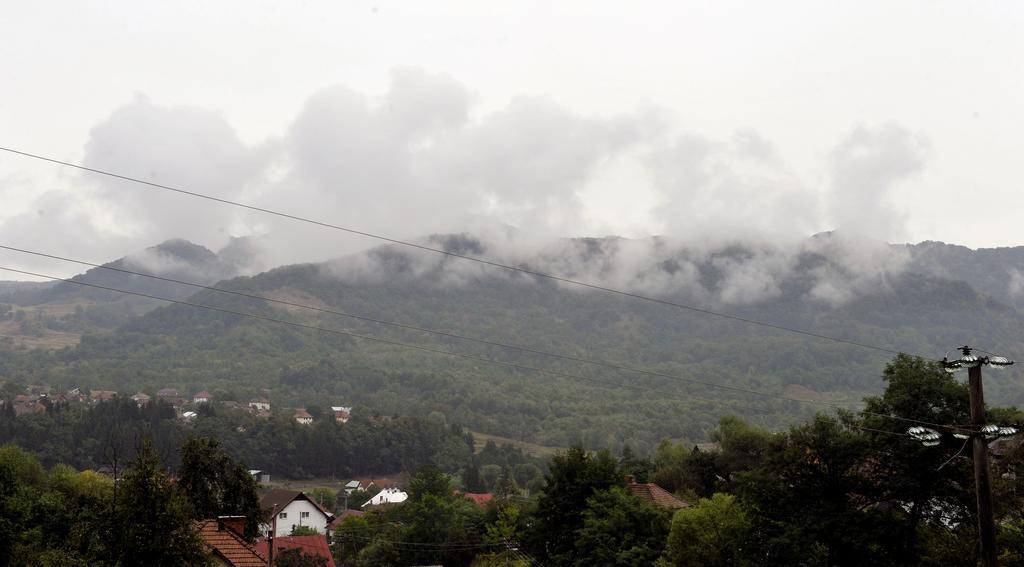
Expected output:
(222, 542)
(655, 494)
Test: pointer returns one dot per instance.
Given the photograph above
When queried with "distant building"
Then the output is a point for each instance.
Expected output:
(654, 494)
(202, 397)
(171, 396)
(387, 496)
(292, 509)
(479, 498)
(97, 396)
(188, 415)
(260, 404)
(302, 416)
(341, 413)
(141, 399)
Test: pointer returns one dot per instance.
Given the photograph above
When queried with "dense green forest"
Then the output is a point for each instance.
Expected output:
(236, 357)
(108, 434)
(839, 492)
(836, 491)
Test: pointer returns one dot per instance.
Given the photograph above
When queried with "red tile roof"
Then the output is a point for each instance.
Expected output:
(312, 545)
(227, 545)
(342, 517)
(479, 498)
(656, 495)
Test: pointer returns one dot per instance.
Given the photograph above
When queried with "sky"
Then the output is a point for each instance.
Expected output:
(697, 120)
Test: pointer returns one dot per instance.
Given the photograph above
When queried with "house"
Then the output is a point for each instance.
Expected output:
(260, 476)
(171, 396)
(292, 508)
(97, 396)
(260, 404)
(310, 545)
(223, 540)
(387, 496)
(141, 399)
(341, 413)
(341, 517)
(356, 484)
(202, 397)
(654, 494)
(302, 416)
(189, 415)
(479, 498)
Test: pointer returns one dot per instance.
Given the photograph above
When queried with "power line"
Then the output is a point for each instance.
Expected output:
(471, 356)
(485, 261)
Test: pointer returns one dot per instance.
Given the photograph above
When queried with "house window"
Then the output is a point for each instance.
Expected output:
(283, 515)
(304, 514)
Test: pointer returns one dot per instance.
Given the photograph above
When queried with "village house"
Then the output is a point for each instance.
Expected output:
(356, 484)
(202, 397)
(391, 495)
(315, 545)
(222, 539)
(171, 396)
(97, 396)
(292, 508)
(654, 494)
(302, 416)
(141, 399)
(260, 404)
(341, 413)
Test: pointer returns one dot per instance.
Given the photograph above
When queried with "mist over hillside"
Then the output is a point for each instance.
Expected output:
(921, 299)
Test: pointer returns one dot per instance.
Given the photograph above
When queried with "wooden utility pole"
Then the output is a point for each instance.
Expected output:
(982, 481)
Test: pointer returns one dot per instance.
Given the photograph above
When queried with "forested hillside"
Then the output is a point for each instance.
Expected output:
(910, 309)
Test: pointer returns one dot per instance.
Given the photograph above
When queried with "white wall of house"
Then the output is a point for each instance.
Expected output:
(300, 513)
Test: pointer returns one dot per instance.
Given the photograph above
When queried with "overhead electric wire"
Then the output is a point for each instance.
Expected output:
(423, 247)
(476, 357)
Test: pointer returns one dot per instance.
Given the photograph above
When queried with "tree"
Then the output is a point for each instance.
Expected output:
(573, 477)
(154, 521)
(216, 485)
(620, 530)
(924, 477)
(295, 557)
(811, 499)
(711, 534)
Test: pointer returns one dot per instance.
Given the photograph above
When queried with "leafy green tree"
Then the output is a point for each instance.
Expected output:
(573, 477)
(217, 485)
(304, 530)
(714, 533)
(809, 499)
(933, 485)
(445, 527)
(295, 557)
(154, 521)
(621, 530)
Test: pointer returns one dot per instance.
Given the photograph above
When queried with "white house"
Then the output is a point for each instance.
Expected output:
(292, 509)
(203, 397)
(260, 404)
(302, 416)
(341, 413)
(387, 496)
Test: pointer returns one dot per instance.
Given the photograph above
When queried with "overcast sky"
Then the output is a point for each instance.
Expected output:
(897, 120)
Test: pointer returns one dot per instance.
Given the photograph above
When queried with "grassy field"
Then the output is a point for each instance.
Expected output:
(481, 439)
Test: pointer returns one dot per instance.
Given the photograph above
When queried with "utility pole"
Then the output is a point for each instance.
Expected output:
(982, 481)
(270, 537)
(980, 434)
